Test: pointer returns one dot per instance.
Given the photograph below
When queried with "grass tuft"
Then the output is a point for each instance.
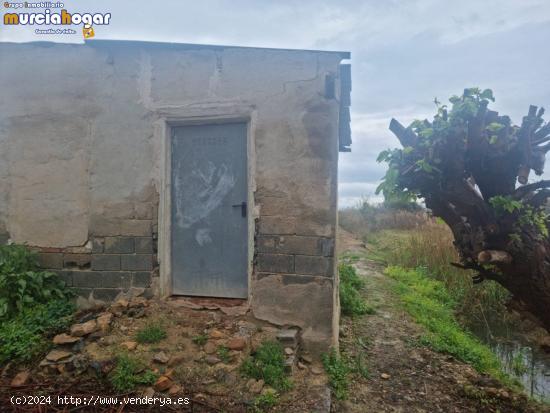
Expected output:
(268, 364)
(200, 340)
(223, 354)
(151, 333)
(130, 373)
(265, 401)
(338, 371)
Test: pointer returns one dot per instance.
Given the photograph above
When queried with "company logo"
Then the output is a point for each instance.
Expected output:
(52, 18)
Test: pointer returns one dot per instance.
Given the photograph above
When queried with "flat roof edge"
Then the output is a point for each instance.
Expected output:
(188, 46)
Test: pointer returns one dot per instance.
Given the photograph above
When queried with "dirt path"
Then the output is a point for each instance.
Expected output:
(405, 376)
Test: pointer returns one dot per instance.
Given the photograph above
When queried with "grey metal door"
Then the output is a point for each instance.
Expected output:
(209, 237)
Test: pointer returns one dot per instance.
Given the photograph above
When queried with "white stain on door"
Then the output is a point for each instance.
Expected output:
(202, 236)
(210, 183)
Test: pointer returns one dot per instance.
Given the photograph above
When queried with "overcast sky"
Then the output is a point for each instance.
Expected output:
(404, 53)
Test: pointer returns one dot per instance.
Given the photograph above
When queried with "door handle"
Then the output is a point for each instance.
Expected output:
(243, 208)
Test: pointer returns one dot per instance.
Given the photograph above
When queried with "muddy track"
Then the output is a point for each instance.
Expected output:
(405, 376)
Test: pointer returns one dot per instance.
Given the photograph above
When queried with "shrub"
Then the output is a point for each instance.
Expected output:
(26, 336)
(129, 373)
(22, 285)
(338, 371)
(151, 333)
(268, 363)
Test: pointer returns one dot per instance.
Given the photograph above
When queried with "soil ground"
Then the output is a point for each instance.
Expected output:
(405, 376)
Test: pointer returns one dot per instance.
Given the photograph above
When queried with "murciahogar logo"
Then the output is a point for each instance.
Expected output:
(63, 18)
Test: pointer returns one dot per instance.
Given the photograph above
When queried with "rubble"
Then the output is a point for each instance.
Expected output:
(162, 384)
(65, 339)
(20, 379)
(83, 329)
(161, 357)
(57, 355)
(236, 343)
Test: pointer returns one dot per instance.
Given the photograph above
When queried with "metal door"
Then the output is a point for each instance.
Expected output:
(209, 237)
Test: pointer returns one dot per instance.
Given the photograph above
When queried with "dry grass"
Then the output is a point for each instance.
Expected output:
(431, 247)
(413, 239)
(369, 218)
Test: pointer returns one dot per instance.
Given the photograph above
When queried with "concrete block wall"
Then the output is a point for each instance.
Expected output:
(105, 266)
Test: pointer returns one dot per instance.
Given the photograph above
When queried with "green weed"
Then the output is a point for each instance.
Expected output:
(22, 285)
(151, 333)
(338, 371)
(200, 340)
(519, 368)
(26, 336)
(431, 305)
(359, 366)
(130, 373)
(265, 401)
(267, 363)
(223, 354)
(351, 302)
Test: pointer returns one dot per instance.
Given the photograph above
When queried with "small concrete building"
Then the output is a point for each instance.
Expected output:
(190, 170)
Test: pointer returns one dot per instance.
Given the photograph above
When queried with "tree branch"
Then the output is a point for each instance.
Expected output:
(526, 189)
(494, 256)
(405, 135)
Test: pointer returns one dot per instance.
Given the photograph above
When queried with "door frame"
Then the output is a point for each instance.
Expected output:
(163, 131)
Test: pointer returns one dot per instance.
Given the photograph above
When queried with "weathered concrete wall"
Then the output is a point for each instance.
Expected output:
(81, 162)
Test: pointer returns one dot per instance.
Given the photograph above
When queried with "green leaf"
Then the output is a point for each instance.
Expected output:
(487, 94)
(383, 156)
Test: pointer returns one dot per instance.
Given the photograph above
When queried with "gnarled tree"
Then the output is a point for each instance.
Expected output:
(472, 166)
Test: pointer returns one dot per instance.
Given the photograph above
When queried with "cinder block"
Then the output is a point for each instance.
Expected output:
(82, 292)
(102, 279)
(288, 337)
(278, 225)
(116, 279)
(141, 279)
(103, 262)
(50, 261)
(119, 245)
(106, 294)
(291, 244)
(144, 245)
(86, 279)
(98, 245)
(137, 262)
(276, 263)
(4, 237)
(304, 264)
(267, 243)
(301, 245)
(327, 247)
(66, 276)
(81, 261)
